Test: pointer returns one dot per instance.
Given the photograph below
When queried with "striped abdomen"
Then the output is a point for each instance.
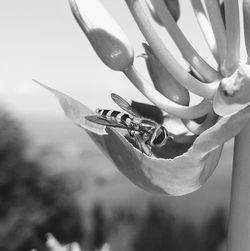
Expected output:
(117, 116)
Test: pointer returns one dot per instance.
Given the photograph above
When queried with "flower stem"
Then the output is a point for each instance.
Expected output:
(214, 14)
(187, 50)
(205, 27)
(165, 56)
(163, 102)
(233, 36)
(239, 221)
(246, 15)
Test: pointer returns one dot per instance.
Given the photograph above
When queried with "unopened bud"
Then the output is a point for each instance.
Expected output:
(172, 5)
(106, 37)
(163, 81)
(153, 12)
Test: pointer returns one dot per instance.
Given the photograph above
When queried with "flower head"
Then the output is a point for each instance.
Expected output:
(199, 131)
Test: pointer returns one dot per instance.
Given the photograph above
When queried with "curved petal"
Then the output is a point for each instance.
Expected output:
(180, 175)
(198, 128)
(74, 110)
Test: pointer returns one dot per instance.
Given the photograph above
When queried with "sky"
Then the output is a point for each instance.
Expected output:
(41, 40)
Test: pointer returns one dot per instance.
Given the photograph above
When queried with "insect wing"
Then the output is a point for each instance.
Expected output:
(121, 102)
(148, 111)
(105, 122)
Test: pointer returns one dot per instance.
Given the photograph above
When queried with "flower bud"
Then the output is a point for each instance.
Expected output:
(153, 12)
(173, 7)
(106, 37)
(163, 81)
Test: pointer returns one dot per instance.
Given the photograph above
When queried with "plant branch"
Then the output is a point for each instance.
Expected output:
(239, 221)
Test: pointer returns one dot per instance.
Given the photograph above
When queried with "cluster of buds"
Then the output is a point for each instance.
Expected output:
(199, 131)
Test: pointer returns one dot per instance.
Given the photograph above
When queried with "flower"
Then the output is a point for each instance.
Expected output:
(104, 34)
(53, 245)
(173, 7)
(198, 131)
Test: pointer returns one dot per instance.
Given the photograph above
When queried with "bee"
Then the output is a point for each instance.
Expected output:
(145, 132)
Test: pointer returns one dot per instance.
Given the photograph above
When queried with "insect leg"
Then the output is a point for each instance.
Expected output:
(135, 137)
(137, 140)
(145, 148)
(131, 133)
(148, 147)
(140, 141)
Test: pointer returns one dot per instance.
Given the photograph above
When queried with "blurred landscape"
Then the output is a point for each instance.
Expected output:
(116, 211)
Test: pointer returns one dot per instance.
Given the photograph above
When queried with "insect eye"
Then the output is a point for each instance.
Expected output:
(159, 136)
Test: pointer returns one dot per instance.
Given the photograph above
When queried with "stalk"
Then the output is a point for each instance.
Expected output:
(233, 36)
(163, 102)
(218, 27)
(205, 27)
(165, 56)
(187, 50)
(239, 220)
(246, 16)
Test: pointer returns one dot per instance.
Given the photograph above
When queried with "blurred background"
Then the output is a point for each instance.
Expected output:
(52, 177)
